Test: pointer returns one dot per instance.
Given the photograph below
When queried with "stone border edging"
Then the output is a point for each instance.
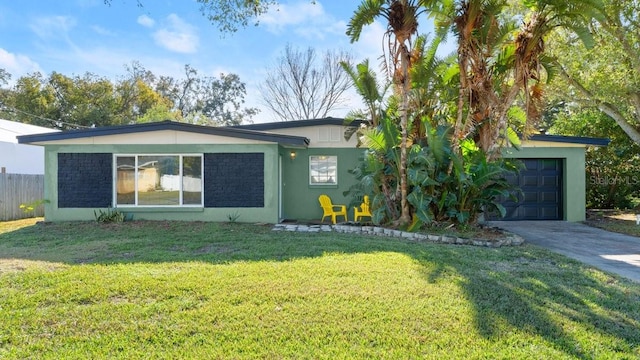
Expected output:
(508, 240)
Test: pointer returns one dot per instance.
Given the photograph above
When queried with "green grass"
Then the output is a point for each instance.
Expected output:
(620, 221)
(624, 227)
(206, 290)
(627, 227)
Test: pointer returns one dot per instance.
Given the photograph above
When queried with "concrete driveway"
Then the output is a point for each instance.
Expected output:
(605, 250)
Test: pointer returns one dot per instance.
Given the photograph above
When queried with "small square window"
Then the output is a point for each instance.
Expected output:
(323, 170)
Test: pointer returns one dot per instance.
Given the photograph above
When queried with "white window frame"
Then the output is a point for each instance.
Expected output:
(335, 176)
(136, 204)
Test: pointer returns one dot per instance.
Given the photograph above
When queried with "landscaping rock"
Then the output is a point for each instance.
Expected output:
(507, 240)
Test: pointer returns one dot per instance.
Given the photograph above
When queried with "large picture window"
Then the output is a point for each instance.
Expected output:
(323, 170)
(158, 180)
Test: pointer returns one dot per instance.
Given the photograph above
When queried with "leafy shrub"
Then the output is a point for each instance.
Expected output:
(456, 188)
(32, 206)
(233, 217)
(109, 216)
(612, 172)
(444, 186)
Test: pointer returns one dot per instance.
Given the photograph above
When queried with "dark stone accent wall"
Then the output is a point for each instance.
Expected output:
(234, 180)
(85, 180)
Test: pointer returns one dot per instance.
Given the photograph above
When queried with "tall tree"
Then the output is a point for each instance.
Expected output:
(31, 101)
(300, 86)
(86, 100)
(611, 171)
(89, 100)
(207, 100)
(136, 95)
(500, 61)
(371, 92)
(607, 75)
(229, 14)
(401, 17)
(224, 101)
(4, 77)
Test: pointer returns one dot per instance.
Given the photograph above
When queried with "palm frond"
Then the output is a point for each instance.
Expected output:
(374, 139)
(364, 15)
(550, 66)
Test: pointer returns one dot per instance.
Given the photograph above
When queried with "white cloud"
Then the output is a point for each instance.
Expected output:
(17, 64)
(308, 20)
(52, 26)
(370, 44)
(294, 14)
(177, 36)
(102, 31)
(321, 31)
(109, 62)
(146, 21)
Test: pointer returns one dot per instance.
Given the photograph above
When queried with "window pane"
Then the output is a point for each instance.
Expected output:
(126, 181)
(323, 169)
(158, 180)
(192, 180)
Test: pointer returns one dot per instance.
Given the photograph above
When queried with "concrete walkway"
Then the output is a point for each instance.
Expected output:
(612, 252)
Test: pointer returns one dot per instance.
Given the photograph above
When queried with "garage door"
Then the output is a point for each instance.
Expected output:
(541, 197)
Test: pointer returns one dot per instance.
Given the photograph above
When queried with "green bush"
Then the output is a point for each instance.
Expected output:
(451, 187)
(109, 216)
(444, 186)
(32, 206)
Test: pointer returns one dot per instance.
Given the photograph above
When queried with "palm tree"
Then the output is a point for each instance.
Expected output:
(402, 26)
(430, 92)
(367, 86)
(499, 61)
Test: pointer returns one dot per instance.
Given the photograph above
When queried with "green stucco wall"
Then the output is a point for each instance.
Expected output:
(267, 214)
(573, 175)
(300, 198)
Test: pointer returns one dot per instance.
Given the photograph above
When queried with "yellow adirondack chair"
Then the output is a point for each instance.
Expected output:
(363, 210)
(331, 210)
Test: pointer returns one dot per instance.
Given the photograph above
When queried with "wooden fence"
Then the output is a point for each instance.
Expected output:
(17, 189)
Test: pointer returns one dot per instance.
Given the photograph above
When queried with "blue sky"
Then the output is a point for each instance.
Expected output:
(77, 36)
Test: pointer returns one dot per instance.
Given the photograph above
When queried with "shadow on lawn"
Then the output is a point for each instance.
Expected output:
(174, 241)
(521, 287)
(531, 293)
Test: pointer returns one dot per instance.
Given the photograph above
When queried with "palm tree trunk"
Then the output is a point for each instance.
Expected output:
(459, 128)
(405, 217)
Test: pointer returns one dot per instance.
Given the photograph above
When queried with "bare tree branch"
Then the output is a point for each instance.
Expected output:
(300, 87)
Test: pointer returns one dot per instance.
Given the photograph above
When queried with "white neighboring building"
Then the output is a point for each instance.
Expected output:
(20, 158)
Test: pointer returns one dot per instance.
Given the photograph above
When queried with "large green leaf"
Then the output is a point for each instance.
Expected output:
(421, 204)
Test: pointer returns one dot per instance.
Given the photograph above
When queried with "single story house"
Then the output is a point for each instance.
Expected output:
(259, 172)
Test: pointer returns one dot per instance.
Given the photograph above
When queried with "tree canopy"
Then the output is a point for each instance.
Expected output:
(62, 101)
(607, 75)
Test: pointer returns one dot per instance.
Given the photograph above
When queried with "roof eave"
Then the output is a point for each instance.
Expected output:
(165, 125)
(298, 123)
(570, 139)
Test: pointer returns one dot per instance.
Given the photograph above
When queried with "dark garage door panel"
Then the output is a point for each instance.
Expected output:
(541, 197)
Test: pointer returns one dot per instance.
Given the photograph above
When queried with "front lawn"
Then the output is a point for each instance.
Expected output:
(205, 290)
